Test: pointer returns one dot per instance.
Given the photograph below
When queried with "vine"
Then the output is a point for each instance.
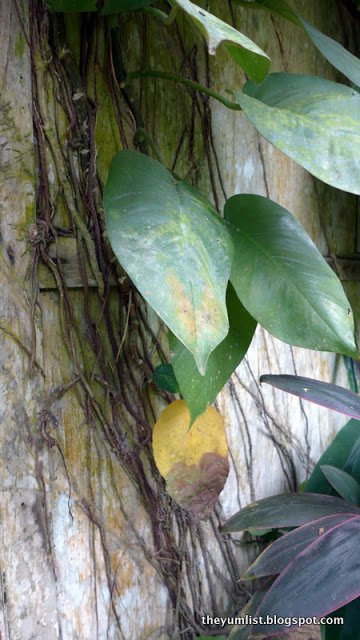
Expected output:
(113, 358)
(118, 329)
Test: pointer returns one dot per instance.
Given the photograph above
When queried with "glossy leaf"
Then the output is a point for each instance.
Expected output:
(216, 32)
(280, 553)
(282, 279)
(334, 52)
(314, 121)
(337, 455)
(199, 391)
(343, 483)
(193, 461)
(109, 7)
(287, 510)
(174, 247)
(322, 393)
(323, 577)
(165, 379)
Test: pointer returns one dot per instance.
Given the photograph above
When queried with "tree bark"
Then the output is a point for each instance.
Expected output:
(92, 547)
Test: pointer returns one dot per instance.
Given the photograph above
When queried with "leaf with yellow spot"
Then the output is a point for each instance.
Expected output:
(175, 248)
(193, 461)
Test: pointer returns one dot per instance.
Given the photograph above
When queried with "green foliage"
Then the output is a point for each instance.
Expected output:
(282, 279)
(343, 483)
(211, 280)
(165, 379)
(334, 52)
(174, 247)
(336, 455)
(180, 254)
(314, 121)
(339, 57)
(216, 32)
(198, 390)
(317, 558)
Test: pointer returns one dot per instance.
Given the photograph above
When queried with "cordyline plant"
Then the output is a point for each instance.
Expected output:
(316, 565)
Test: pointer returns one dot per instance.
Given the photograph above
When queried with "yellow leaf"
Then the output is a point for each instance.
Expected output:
(193, 461)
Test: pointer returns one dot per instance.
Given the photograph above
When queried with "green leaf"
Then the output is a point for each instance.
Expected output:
(110, 6)
(199, 391)
(336, 455)
(323, 577)
(165, 379)
(352, 464)
(216, 32)
(174, 247)
(287, 510)
(282, 279)
(277, 556)
(343, 483)
(314, 121)
(334, 52)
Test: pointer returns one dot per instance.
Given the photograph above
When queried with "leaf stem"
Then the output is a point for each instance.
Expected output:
(167, 19)
(164, 75)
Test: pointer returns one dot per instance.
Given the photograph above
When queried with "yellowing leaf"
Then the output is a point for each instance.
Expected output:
(193, 461)
(174, 247)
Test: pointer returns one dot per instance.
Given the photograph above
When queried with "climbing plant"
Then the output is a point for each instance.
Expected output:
(213, 276)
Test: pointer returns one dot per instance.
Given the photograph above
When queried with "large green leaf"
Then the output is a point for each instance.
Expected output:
(282, 279)
(287, 510)
(336, 454)
(314, 121)
(110, 6)
(174, 246)
(343, 483)
(216, 32)
(199, 391)
(277, 556)
(334, 52)
(319, 580)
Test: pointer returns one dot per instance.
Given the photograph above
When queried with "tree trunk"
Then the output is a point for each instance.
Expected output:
(92, 547)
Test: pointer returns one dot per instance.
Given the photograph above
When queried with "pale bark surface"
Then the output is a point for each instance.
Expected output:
(85, 552)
